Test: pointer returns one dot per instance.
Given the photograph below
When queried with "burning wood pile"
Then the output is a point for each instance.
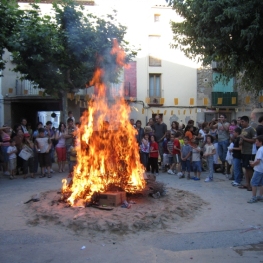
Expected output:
(107, 152)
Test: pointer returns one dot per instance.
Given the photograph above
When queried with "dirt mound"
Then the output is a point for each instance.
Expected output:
(147, 214)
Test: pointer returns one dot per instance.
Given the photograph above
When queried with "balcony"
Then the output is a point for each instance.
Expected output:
(122, 89)
(226, 99)
(27, 88)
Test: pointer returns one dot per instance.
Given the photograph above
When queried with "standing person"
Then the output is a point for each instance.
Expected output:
(70, 116)
(213, 132)
(5, 136)
(160, 130)
(35, 135)
(195, 129)
(69, 135)
(151, 123)
(19, 144)
(73, 158)
(189, 133)
(61, 147)
(232, 127)
(23, 125)
(223, 139)
(209, 151)
(145, 149)
(247, 139)
(175, 152)
(259, 128)
(153, 156)
(43, 145)
(29, 145)
(169, 148)
(132, 122)
(140, 131)
(257, 179)
(239, 122)
(186, 153)
(166, 151)
(11, 151)
(174, 127)
(237, 157)
(51, 135)
(196, 161)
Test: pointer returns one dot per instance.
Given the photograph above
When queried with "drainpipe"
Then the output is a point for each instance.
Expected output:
(1, 102)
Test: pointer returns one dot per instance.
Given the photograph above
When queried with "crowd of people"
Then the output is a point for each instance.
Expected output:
(214, 146)
(23, 150)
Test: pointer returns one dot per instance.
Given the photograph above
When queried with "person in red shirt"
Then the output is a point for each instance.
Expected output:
(153, 156)
(176, 152)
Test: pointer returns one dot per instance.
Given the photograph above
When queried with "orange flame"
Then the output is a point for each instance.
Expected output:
(107, 150)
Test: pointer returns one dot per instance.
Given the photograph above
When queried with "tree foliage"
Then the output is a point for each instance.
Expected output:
(60, 53)
(10, 17)
(226, 31)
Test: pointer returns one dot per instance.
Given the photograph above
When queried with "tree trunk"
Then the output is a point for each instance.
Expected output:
(64, 100)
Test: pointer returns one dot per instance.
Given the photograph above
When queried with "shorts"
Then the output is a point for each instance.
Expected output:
(245, 160)
(12, 164)
(197, 166)
(257, 179)
(44, 159)
(186, 166)
(61, 154)
(170, 160)
(176, 158)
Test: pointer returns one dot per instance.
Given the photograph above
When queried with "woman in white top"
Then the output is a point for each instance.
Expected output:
(61, 147)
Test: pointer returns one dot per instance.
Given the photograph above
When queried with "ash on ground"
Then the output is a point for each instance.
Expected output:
(145, 214)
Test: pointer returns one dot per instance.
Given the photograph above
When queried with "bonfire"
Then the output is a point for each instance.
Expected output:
(107, 151)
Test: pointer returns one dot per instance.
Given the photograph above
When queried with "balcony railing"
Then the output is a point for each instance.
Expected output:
(224, 98)
(123, 89)
(27, 88)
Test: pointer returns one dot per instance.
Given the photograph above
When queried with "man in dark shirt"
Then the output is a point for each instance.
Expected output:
(237, 157)
(259, 128)
(160, 130)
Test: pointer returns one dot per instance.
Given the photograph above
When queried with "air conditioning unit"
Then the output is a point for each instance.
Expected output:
(216, 65)
(156, 100)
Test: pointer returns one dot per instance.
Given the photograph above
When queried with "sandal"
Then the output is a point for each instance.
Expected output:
(49, 176)
(42, 175)
(249, 189)
(25, 176)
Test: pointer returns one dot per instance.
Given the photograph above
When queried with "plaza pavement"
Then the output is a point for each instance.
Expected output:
(227, 230)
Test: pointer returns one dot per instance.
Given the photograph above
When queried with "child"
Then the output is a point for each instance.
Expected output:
(257, 179)
(237, 157)
(70, 116)
(196, 161)
(43, 146)
(11, 151)
(232, 127)
(153, 160)
(72, 158)
(145, 148)
(186, 152)
(181, 139)
(170, 146)
(209, 151)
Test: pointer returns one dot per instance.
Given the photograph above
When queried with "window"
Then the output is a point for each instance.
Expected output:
(155, 85)
(156, 18)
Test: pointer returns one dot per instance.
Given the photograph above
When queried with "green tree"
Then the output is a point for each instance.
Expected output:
(61, 53)
(226, 31)
(10, 17)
